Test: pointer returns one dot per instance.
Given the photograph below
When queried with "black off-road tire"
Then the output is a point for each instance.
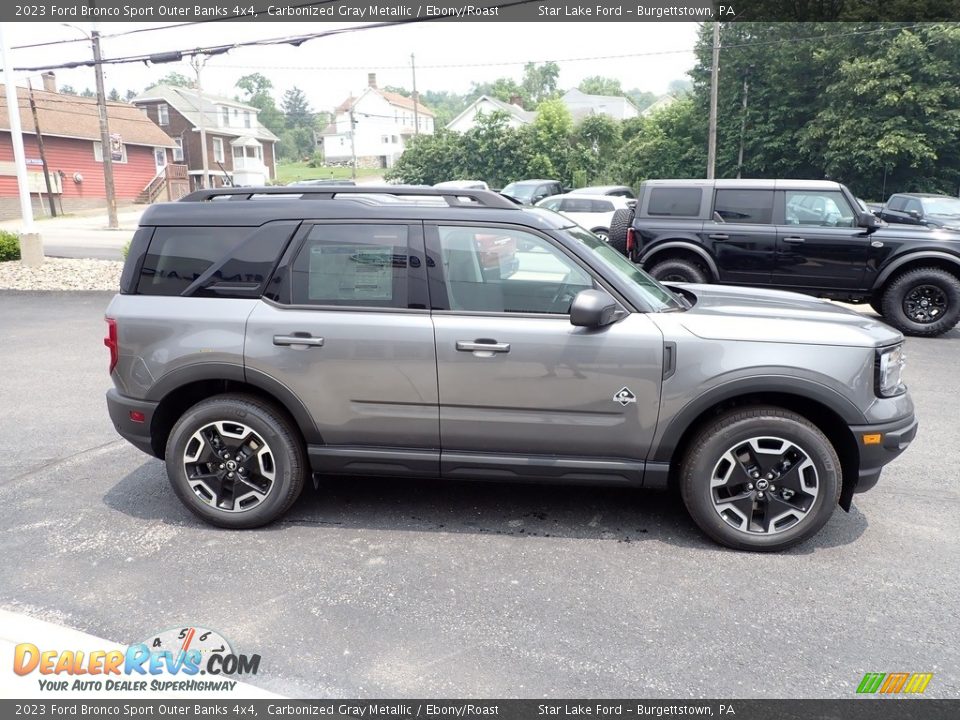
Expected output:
(679, 270)
(272, 428)
(621, 222)
(911, 288)
(732, 430)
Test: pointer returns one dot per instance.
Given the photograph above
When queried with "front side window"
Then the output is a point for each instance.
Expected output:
(502, 270)
(745, 206)
(353, 265)
(818, 208)
(913, 205)
(941, 206)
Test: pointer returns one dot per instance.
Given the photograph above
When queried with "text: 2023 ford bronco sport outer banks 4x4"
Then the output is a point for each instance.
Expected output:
(353, 331)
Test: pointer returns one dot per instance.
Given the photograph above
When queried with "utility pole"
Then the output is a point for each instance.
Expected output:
(714, 77)
(197, 63)
(416, 111)
(743, 121)
(31, 244)
(43, 155)
(353, 145)
(106, 151)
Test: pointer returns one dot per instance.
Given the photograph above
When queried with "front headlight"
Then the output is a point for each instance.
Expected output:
(890, 362)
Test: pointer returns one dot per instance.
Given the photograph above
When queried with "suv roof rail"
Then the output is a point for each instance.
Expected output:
(452, 196)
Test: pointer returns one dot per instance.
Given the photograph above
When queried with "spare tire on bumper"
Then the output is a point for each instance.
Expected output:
(621, 222)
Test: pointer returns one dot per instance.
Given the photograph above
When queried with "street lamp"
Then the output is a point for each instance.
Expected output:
(106, 152)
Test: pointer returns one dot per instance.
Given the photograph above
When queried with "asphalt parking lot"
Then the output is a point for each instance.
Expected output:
(430, 589)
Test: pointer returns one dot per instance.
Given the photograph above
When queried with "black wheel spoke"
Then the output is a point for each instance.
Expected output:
(925, 303)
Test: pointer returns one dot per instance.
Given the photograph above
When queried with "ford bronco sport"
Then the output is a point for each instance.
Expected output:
(810, 236)
(258, 339)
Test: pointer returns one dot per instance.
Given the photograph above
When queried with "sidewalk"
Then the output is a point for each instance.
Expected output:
(83, 235)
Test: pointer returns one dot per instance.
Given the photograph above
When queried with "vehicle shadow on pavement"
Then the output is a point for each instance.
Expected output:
(622, 515)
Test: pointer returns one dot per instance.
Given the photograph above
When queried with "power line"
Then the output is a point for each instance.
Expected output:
(294, 40)
(171, 26)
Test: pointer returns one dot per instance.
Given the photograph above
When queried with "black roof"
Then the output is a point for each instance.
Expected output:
(926, 195)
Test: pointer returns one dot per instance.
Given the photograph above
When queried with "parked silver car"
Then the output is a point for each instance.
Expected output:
(257, 341)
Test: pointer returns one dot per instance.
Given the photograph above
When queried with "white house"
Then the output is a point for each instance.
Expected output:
(581, 105)
(486, 105)
(658, 104)
(383, 122)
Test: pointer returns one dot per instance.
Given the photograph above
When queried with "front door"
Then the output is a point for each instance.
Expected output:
(818, 241)
(520, 388)
(349, 333)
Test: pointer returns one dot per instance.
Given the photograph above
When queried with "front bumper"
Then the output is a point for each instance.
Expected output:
(136, 433)
(894, 438)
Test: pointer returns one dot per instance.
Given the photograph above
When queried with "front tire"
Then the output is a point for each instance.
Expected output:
(761, 479)
(923, 302)
(235, 461)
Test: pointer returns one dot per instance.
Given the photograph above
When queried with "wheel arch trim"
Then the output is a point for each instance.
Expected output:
(899, 262)
(649, 254)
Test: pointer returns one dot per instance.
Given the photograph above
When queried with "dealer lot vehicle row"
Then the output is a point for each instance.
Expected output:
(432, 332)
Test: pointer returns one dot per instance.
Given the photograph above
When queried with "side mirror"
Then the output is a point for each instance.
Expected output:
(915, 214)
(868, 220)
(593, 309)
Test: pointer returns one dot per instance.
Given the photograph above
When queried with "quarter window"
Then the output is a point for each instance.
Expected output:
(352, 265)
(745, 206)
(499, 270)
(674, 202)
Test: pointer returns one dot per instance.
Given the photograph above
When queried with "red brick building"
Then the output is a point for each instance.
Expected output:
(70, 127)
(240, 150)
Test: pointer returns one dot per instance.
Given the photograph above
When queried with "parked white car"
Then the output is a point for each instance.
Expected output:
(593, 212)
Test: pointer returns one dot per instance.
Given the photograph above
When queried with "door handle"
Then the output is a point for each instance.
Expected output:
(482, 346)
(307, 340)
(794, 240)
(718, 236)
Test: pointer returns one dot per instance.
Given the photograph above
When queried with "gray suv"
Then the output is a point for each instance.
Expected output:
(261, 336)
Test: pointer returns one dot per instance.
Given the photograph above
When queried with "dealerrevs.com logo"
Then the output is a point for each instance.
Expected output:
(172, 660)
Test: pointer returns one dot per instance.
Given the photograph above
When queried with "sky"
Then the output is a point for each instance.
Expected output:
(329, 69)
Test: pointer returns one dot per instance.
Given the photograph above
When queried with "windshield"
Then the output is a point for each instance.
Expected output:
(942, 206)
(519, 191)
(656, 295)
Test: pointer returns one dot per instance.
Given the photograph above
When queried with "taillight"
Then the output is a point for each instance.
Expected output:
(111, 342)
(631, 241)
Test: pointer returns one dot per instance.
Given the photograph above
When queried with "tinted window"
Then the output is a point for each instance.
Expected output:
(500, 270)
(679, 202)
(576, 205)
(352, 265)
(913, 204)
(745, 206)
(897, 203)
(179, 255)
(601, 206)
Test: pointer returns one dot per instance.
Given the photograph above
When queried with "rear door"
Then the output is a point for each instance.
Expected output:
(517, 381)
(818, 241)
(741, 235)
(347, 330)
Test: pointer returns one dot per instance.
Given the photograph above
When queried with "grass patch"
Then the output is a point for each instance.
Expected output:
(291, 172)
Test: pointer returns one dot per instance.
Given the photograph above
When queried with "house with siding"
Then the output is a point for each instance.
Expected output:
(581, 105)
(70, 129)
(376, 125)
(240, 150)
(487, 105)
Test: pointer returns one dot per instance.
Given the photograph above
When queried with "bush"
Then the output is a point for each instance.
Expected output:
(9, 246)
(316, 161)
(125, 249)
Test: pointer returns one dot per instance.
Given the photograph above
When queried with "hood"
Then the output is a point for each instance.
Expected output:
(949, 233)
(733, 313)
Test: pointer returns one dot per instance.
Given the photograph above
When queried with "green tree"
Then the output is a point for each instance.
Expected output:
(504, 89)
(599, 85)
(297, 144)
(68, 90)
(257, 93)
(296, 109)
(176, 79)
(540, 81)
(671, 143)
(596, 146)
(113, 95)
(641, 98)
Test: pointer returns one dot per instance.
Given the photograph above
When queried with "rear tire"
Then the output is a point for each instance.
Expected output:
(760, 478)
(236, 461)
(602, 233)
(679, 270)
(621, 221)
(923, 302)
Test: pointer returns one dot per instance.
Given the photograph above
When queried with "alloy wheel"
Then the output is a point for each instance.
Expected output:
(925, 304)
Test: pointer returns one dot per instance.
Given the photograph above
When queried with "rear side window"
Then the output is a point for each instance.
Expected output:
(745, 206)
(179, 255)
(576, 205)
(352, 265)
(675, 202)
(601, 206)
